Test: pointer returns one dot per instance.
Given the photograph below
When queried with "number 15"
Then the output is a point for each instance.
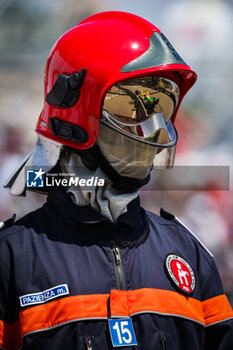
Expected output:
(123, 330)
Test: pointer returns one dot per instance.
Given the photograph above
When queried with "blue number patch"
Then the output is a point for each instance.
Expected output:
(122, 332)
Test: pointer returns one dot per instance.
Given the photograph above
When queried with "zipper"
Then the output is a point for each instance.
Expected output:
(119, 268)
(163, 342)
(89, 344)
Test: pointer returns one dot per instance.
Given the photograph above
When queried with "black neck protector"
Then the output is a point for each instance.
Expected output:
(93, 158)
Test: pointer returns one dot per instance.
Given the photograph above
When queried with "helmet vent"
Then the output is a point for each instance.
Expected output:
(67, 130)
(66, 90)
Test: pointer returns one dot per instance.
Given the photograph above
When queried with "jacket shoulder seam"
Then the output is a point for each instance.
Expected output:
(176, 222)
(185, 228)
(4, 235)
(169, 223)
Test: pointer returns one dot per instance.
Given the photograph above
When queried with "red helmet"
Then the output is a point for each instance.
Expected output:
(119, 68)
(102, 50)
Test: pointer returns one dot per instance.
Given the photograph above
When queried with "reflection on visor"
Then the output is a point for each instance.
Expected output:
(130, 157)
(142, 108)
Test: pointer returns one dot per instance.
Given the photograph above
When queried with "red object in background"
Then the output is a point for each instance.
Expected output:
(102, 44)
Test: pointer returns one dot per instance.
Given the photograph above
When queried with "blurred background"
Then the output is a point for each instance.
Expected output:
(202, 33)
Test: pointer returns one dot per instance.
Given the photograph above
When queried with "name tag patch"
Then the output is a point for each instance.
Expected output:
(42, 297)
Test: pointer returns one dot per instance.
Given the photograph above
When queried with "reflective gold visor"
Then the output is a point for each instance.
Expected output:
(142, 108)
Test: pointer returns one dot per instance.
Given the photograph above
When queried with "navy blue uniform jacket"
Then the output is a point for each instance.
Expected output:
(65, 270)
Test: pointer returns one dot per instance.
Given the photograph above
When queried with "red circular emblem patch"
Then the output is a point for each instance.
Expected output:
(181, 273)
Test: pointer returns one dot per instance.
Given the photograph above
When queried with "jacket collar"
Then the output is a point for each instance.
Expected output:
(87, 224)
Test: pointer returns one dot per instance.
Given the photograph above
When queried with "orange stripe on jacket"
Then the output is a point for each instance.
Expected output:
(63, 310)
(217, 309)
(125, 303)
(122, 303)
(10, 336)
